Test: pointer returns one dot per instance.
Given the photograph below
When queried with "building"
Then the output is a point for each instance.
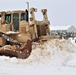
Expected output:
(64, 30)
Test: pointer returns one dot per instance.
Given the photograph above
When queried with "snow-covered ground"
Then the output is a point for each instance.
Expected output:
(55, 57)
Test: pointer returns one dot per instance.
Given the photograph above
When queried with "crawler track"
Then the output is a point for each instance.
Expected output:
(15, 48)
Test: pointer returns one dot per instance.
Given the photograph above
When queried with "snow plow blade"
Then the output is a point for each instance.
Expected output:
(15, 51)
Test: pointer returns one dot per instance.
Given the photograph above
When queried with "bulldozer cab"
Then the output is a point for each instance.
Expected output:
(10, 20)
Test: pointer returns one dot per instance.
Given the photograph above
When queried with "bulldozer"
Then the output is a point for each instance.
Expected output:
(17, 33)
(15, 39)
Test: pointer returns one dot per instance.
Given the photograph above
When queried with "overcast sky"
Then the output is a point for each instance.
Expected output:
(60, 12)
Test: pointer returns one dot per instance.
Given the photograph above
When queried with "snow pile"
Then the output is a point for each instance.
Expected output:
(54, 52)
(54, 57)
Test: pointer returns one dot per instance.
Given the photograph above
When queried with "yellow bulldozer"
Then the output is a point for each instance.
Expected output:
(17, 31)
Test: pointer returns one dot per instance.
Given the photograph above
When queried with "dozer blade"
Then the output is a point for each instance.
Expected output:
(22, 51)
(49, 37)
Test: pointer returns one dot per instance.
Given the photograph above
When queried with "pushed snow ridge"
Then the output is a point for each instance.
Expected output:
(54, 57)
(55, 52)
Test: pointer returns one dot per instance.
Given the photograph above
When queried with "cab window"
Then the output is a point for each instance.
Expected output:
(23, 16)
(8, 18)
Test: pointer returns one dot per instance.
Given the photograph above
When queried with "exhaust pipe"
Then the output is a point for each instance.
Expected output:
(27, 11)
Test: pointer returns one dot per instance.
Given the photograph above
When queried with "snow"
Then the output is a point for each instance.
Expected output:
(12, 32)
(54, 57)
